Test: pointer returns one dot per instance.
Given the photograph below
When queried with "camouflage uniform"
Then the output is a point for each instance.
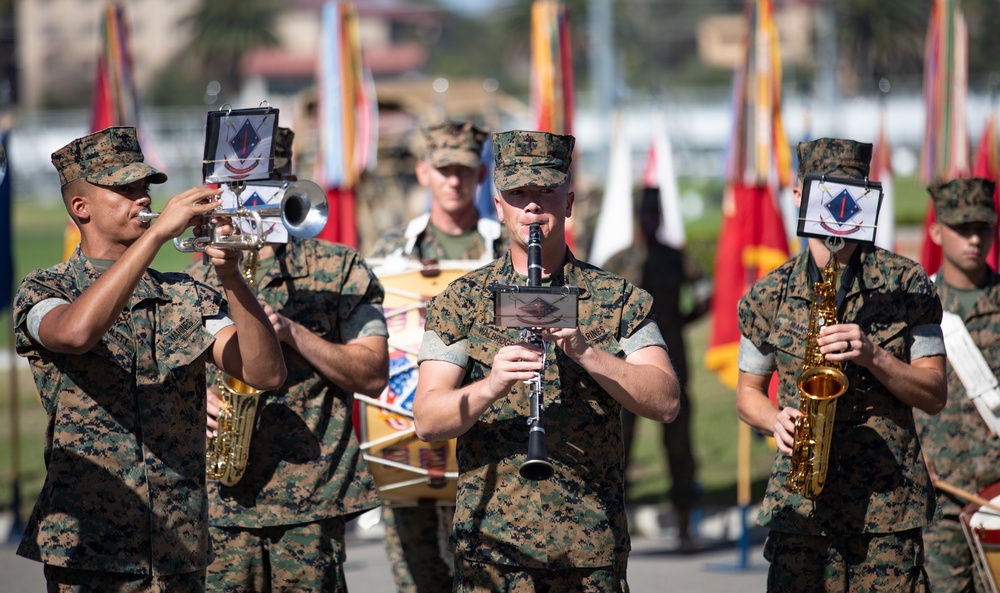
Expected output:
(963, 451)
(124, 450)
(412, 533)
(577, 518)
(863, 530)
(123, 506)
(305, 476)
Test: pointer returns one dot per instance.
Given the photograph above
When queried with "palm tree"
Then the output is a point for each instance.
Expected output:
(223, 31)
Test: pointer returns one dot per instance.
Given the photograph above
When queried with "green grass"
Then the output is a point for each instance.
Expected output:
(38, 243)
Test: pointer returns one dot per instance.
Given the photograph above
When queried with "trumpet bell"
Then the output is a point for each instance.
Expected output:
(304, 209)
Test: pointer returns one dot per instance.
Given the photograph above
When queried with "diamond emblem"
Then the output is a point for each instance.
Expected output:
(245, 140)
(843, 207)
(538, 308)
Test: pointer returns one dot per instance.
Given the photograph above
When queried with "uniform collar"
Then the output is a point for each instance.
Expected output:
(86, 274)
(870, 274)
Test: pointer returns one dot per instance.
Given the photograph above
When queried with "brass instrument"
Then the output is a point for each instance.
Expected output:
(820, 383)
(229, 450)
(303, 210)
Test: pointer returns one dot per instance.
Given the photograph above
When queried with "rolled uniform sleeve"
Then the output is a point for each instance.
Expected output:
(927, 340)
(432, 347)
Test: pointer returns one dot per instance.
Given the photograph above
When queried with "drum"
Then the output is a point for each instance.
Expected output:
(407, 471)
(982, 529)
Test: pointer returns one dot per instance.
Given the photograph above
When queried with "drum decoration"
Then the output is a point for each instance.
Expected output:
(982, 529)
(407, 471)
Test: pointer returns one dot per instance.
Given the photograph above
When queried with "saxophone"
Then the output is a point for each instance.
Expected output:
(820, 383)
(229, 449)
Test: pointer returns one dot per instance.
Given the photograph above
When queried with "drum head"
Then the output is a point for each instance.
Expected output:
(407, 470)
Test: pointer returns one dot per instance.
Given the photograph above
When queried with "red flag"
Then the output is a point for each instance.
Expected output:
(751, 244)
(752, 241)
(340, 228)
(987, 167)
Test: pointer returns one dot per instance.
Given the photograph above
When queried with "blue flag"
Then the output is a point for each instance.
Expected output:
(7, 252)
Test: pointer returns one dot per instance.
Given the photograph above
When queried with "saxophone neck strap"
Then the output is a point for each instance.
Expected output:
(972, 369)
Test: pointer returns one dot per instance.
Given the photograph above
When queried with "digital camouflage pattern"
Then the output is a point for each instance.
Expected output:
(964, 200)
(877, 481)
(480, 577)
(866, 562)
(306, 429)
(531, 159)
(109, 157)
(125, 442)
(454, 143)
(577, 518)
(299, 558)
(835, 157)
(960, 445)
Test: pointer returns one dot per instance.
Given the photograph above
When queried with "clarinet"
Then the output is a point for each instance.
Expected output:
(537, 466)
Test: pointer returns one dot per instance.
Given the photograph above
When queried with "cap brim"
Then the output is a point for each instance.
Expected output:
(126, 174)
(444, 158)
(507, 179)
(952, 220)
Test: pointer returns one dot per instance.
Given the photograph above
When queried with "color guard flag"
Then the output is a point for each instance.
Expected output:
(944, 154)
(752, 240)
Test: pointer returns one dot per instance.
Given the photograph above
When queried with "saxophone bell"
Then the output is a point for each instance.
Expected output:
(229, 450)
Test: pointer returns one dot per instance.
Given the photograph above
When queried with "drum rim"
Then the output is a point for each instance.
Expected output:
(989, 537)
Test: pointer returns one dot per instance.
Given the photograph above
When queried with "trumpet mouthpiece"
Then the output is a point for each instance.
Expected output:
(147, 216)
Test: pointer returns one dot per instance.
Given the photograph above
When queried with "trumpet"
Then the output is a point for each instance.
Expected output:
(303, 211)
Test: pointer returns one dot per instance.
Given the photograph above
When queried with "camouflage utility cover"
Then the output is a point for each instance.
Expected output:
(531, 159)
(125, 443)
(109, 157)
(964, 200)
(959, 444)
(877, 481)
(454, 143)
(577, 518)
(305, 460)
(957, 439)
(835, 157)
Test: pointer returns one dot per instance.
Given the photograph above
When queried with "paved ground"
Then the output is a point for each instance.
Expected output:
(722, 563)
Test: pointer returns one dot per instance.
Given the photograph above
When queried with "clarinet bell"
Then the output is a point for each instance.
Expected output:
(537, 467)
